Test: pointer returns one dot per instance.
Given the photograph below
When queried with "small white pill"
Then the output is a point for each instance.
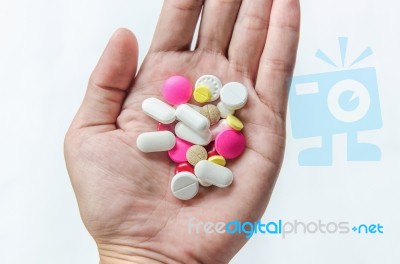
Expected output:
(224, 111)
(192, 118)
(158, 110)
(202, 138)
(156, 141)
(210, 172)
(213, 83)
(184, 185)
(234, 95)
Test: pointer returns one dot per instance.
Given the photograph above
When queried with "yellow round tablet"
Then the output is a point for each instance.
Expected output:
(234, 122)
(202, 94)
(218, 160)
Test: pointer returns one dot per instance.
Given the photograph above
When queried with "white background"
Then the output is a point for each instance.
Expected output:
(47, 51)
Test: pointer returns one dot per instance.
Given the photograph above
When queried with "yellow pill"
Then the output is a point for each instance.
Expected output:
(202, 94)
(218, 160)
(234, 122)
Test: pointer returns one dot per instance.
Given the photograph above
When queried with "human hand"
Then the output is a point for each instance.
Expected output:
(124, 195)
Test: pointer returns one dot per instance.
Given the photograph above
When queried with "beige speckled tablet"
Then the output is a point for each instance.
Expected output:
(212, 113)
(195, 154)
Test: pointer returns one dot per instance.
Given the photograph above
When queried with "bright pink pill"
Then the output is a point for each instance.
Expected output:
(230, 143)
(178, 153)
(177, 90)
(185, 166)
(164, 127)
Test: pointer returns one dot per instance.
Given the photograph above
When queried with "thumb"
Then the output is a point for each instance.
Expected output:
(109, 82)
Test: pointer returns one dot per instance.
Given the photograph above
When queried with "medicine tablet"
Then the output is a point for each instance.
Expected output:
(195, 154)
(212, 173)
(177, 90)
(192, 118)
(184, 132)
(178, 152)
(217, 160)
(185, 166)
(202, 94)
(158, 110)
(213, 83)
(230, 143)
(184, 186)
(212, 113)
(234, 95)
(156, 141)
(234, 122)
(224, 112)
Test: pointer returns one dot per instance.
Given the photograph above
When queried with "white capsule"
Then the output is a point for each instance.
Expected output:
(212, 173)
(156, 141)
(184, 185)
(234, 95)
(184, 132)
(213, 83)
(158, 110)
(224, 111)
(192, 118)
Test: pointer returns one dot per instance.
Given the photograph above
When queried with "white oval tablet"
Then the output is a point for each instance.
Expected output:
(224, 112)
(192, 118)
(212, 173)
(213, 83)
(156, 141)
(184, 185)
(184, 132)
(234, 95)
(158, 110)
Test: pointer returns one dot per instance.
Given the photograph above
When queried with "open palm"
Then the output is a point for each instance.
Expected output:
(124, 195)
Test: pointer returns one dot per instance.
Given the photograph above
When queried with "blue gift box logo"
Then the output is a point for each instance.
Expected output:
(343, 101)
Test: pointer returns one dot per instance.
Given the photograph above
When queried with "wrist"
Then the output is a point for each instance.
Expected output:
(117, 254)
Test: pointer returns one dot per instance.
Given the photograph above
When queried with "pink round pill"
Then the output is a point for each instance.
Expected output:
(230, 143)
(178, 153)
(177, 90)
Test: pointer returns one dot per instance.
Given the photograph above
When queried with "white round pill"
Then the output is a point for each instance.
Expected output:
(234, 95)
(213, 83)
(184, 185)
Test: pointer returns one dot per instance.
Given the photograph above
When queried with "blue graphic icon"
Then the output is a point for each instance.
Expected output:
(342, 101)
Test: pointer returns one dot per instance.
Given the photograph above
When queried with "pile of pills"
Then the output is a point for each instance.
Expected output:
(199, 139)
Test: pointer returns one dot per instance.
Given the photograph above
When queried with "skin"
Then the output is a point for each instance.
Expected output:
(124, 195)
